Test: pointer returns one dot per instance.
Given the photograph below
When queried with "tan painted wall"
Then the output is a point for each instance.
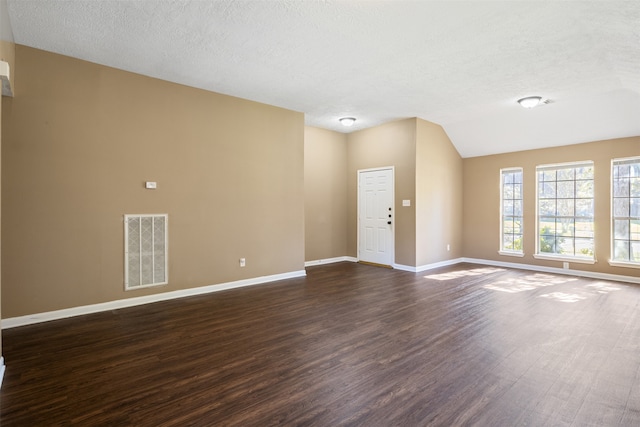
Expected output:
(438, 196)
(391, 144)
(80, 139)
(481, 225)
(7, 54)
(325, 178)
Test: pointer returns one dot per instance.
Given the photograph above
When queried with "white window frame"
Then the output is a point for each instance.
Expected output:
(563, 257)
(503, 250)
(612, 261)
(164, 266)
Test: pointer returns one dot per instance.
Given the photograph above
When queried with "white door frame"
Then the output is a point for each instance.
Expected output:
(393, 210)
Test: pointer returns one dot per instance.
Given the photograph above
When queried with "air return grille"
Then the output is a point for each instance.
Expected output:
(145, 240)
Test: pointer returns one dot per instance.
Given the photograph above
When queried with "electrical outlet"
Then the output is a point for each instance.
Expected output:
(565, 265)
(243, 262)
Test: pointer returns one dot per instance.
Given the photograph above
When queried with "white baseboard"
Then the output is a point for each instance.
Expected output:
(13, 322)
(1, 370)
(570, 272)
(330, 260)
(426, 267)
(30, 319)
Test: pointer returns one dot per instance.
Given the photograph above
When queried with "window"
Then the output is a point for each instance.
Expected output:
(625, 208)
(145, 240)
(565, 212)
(511, 212)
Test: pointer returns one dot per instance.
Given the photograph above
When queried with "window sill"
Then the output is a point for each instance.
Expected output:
(518, 254)
(624, 264)
(565, 259)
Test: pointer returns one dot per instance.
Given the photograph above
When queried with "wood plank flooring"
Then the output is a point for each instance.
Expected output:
(348, 345)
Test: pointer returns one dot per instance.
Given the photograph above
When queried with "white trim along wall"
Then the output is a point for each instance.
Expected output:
(130, 302)
(13, 322)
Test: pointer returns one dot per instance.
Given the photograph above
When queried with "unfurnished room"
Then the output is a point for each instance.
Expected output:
(319, 213)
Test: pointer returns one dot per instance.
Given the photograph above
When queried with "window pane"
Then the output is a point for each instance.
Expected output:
(621, 250)
(507, 191)
(547, 207)
(634, 187)
(547, 226)
(517, 191)
(565, 226)
(584, 228)
(623, 171)
(507, 241)
(634, 229)
(517, 177)
(565, 246)
(584, 208)
(621, 188)
(547, 190)
(621, 229)
(566, 207)
(584, 189)
(507, 178)
(634, 253)
(565, 189)
(584, 247)
(507, 207)
(517, 207)
(585, 172)
(634, 208)
(547, 176)
(507, 225)
(566, 174)
(547, 244)
(517, 227)
(621, 207)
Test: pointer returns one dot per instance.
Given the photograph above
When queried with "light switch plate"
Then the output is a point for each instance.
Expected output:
(150, 184)
(406, 203)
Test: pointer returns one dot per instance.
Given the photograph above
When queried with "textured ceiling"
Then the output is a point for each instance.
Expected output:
(460, 64)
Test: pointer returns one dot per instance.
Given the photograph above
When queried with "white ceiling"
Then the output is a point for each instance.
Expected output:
(461, 64)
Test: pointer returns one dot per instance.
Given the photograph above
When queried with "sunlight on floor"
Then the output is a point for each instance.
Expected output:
(564, 297)
(540, 280)
(602, 287)
(463, 273)
(528, 283)
(584, 293)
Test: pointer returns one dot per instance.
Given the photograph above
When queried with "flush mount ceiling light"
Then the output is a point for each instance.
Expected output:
(347, 121)
(530, 101)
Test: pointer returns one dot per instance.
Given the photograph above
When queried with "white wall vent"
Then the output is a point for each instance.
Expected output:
(145, 249)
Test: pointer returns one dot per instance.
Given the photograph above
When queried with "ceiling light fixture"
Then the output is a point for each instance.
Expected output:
(347, 121)
(530, 101)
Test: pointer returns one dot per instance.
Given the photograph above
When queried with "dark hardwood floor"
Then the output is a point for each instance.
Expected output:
(347, 345)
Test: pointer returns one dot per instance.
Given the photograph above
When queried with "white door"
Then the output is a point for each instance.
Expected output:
(375, 216)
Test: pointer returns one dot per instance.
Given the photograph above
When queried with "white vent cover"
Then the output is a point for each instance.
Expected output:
(145, 248)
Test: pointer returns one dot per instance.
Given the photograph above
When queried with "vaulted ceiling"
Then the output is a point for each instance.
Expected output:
(461, 64)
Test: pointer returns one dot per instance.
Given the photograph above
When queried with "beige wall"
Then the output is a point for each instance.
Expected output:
(391, 144)
(325, 177)
(80, 139)
(481, 229)
(7, 54)
(438, 196)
